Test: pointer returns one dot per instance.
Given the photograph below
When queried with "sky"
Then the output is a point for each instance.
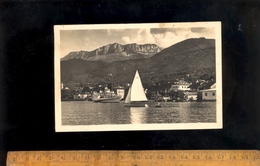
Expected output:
(91, 39)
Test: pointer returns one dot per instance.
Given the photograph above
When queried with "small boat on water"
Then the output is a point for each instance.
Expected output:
(136, 96)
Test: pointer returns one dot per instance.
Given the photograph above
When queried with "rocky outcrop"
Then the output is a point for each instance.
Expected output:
(115, 52)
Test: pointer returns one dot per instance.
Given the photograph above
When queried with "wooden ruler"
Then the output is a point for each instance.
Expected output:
(135, 158)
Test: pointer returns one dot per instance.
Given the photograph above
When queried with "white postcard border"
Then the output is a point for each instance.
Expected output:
(129, 127)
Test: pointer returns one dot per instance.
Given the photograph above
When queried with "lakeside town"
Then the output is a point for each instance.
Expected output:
(179, 90)
(139, 85)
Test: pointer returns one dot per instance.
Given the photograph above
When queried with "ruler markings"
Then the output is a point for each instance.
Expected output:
(133, 158)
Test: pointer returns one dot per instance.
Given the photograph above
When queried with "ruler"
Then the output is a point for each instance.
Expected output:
(135, 158)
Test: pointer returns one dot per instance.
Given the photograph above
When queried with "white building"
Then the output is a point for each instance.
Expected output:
(181, 85)
(120, 91)
(191, 96)
(209, 94)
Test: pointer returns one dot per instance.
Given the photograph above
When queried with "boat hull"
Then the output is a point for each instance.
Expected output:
(107, 100)
(136, 104)
(73, 100)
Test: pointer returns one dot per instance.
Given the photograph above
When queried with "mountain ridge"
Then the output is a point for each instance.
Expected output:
(114, 52)
(192, 56)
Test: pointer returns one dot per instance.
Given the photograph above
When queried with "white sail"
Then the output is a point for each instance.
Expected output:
(136, 91)
(127, 99)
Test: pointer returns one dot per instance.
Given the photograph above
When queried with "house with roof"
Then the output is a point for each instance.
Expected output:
(190, 96)
(120, 91)
(209, 94)
(180, 85)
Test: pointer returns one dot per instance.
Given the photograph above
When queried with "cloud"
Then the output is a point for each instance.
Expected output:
(144, 37)
(203, 32)
(109, 32)
(161, 30)
(198, 29)
(165, 37)
(88, 40)
(139, 36)
(126, 39)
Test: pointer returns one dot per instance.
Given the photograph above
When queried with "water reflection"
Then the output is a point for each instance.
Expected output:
(138, 115)
(90, 113)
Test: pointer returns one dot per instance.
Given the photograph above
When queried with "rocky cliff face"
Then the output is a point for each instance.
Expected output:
(115, 52)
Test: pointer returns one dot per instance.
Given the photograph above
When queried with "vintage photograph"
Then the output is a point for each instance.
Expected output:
(149, 76)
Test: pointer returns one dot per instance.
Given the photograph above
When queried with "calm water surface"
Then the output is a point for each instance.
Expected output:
(90, 113)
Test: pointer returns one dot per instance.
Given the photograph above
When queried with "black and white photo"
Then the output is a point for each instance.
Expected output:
(149, 76)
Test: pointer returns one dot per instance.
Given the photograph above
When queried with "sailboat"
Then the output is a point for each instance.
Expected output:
(136, 96)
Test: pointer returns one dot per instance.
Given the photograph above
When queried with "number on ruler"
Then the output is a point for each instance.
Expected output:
(148, 156)
(86, 157)
(97, 156)
(62, 157)
(244, 156)
(232, 157)
(136, 157)
(172, 156)
(208, 156)
(37, 157)
(121, 157)
(196, 156)
(184, 156)
(220, 156)
(160, 156)
(50, 157)
(74, 158)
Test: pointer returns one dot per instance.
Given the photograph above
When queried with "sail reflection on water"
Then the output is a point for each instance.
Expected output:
(138, 115)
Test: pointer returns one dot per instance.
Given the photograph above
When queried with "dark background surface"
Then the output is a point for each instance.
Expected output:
(27, 73)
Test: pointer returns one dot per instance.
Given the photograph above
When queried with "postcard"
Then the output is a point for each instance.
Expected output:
(149, 76)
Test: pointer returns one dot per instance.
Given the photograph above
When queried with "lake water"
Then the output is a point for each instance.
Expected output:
(90, 113)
